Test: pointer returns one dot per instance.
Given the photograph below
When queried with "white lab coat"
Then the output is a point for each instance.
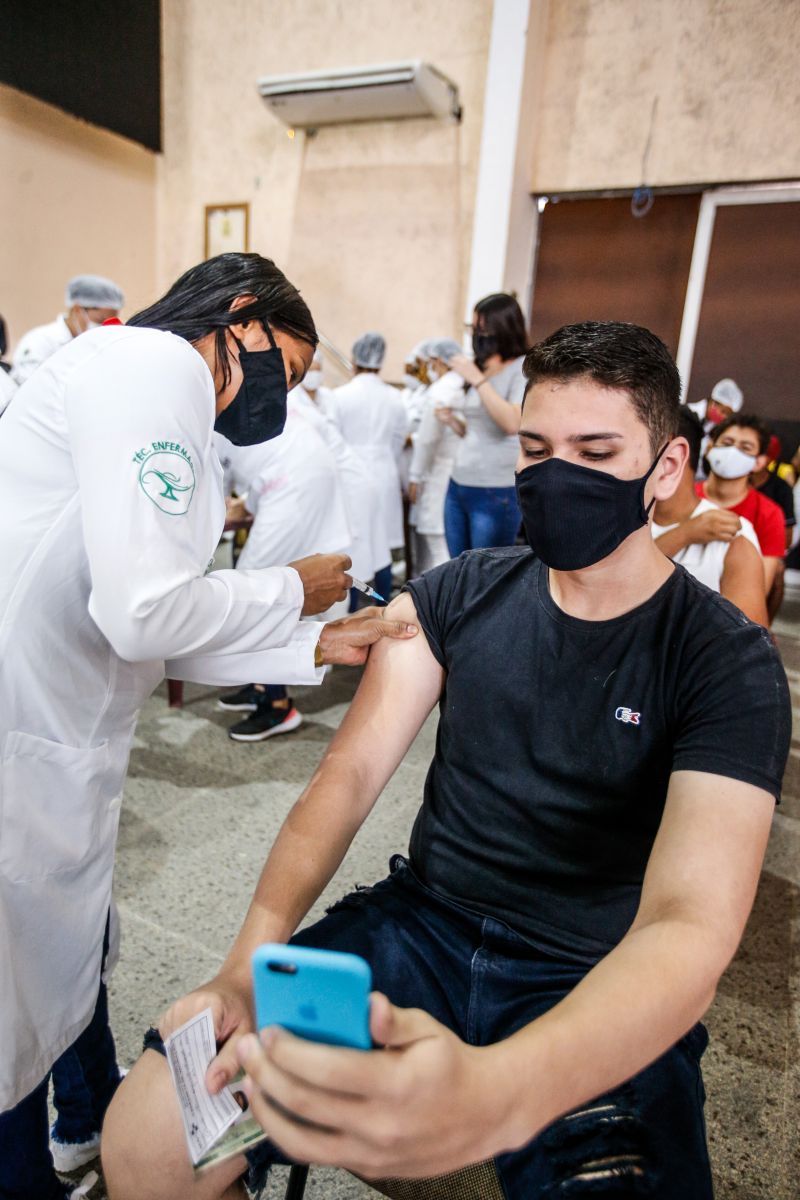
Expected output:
(7, 390)
(372, 419)
(293, 492)
(111, 507)
(369, 547)
(36, 346)
(414, 403)
(435, 449)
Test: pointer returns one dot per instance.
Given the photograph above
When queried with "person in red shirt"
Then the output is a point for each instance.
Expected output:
(738, 449)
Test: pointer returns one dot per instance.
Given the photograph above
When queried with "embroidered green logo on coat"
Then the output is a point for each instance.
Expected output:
(166, 476)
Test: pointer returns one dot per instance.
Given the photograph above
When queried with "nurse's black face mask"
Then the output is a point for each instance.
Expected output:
(257, 412)
(575, 516)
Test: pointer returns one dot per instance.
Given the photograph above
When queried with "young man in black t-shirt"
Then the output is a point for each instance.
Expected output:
(611, 742)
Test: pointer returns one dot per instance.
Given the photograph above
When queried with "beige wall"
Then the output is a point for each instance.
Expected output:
(725, 73)
(73, 199)
(373, 222)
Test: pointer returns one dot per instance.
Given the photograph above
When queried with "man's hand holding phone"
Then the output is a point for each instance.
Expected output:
(423, 1103)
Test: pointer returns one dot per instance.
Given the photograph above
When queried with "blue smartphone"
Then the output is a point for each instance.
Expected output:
(321, 995)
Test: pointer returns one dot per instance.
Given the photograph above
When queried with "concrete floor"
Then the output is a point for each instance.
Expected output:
(201, 812)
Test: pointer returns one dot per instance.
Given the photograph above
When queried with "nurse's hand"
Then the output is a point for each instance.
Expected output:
(232, 1013)
(348, 641)
(325, 580)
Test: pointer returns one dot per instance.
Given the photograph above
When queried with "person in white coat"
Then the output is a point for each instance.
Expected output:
(372, 418)
(7, 390)
(90, 300)
(369, 547)
(290, 487)
(111, 507)
(435, 449)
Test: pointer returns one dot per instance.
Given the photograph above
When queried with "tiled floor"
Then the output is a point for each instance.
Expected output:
(201, 812)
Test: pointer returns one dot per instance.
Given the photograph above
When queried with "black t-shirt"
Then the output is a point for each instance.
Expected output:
(777, 489)
(557, 738)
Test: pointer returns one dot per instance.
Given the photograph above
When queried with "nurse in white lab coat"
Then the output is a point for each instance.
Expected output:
(435, 448)
(111, 507)
(372, 418)
(90, 300)
(290, 487)
(7, 390)
(369, 547)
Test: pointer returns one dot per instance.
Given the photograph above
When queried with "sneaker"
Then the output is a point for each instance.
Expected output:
(265, 723)
(245, 700)
(68, 1156)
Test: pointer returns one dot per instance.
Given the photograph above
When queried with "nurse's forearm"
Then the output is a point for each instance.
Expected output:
(225, 612)
(290, 664)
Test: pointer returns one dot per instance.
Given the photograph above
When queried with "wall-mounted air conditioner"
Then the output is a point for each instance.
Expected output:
(373, 93)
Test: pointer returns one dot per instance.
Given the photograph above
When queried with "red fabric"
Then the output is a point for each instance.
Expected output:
(765, 516)
(112, 321)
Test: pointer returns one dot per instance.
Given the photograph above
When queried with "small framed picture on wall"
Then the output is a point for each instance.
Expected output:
(227, 228)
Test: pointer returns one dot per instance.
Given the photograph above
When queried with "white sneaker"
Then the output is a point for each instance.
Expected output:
(85, 1185)
(68, 1156)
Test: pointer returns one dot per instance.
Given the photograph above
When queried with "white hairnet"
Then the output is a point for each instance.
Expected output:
(445, 349)
(369, 351)
(93, 291)
(421, 350)
(728, 392)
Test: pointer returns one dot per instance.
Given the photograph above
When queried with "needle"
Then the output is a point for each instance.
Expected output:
(360, 586)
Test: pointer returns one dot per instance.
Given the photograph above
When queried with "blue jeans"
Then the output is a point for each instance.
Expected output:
(85, 1078)
(484, 981)
(479, 516)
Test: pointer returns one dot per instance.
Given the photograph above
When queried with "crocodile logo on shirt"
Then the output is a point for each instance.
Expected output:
(627, 716)
(166, 476)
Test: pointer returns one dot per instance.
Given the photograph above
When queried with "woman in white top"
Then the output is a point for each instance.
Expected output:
(481, 506)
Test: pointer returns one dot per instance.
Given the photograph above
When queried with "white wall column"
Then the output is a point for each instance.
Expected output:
(504, 226)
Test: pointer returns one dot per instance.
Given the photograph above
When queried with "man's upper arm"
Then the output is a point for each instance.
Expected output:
(706, 859)
(742, 579)
(401, 685)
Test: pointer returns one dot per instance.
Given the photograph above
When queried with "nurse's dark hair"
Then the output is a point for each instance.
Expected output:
(200, 301)
(616, 355)
(501, 317)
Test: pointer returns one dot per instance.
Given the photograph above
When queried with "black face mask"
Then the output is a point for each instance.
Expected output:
(484, 345)
(575, 516)
(257, 412)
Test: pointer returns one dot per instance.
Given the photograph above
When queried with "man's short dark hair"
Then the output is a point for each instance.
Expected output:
(745, 421)
(615, 355)
(691, 427)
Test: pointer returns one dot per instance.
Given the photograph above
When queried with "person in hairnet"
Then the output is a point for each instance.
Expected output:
(90, 300)
(435, 448)
(372, 418)
(726, 399)
(369, 550)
